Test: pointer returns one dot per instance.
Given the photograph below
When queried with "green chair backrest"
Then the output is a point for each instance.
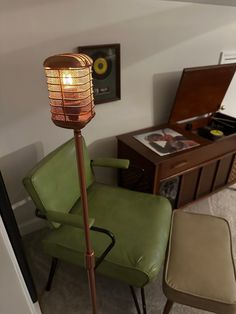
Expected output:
(53, 184)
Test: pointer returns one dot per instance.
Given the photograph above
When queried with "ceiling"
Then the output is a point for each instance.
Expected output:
(215, 2)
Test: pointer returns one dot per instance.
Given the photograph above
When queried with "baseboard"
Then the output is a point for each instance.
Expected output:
(24, 210)
(31, 226)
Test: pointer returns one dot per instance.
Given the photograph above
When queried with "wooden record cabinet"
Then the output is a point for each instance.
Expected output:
(190, 174)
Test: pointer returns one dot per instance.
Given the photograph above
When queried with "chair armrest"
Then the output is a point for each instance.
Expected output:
(77, 221)
(111, 162)
(68, 219)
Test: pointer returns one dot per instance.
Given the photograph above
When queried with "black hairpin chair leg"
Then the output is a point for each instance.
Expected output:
(143, 301)
(136, 300)
(51, 273)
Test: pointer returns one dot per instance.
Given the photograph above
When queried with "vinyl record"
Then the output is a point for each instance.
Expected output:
(102, 65)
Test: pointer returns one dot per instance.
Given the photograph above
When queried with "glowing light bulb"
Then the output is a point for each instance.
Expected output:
(67, 79)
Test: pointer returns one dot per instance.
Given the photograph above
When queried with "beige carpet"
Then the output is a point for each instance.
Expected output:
(69, 294)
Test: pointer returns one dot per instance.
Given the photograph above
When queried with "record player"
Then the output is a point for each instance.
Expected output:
(201, 106)
(202, 112)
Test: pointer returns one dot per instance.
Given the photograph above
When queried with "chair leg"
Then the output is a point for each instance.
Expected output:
(143, 301)
(168, 307)
(51, 273)
(135, 300)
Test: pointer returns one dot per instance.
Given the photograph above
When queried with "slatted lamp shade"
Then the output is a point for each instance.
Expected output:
(70, 87)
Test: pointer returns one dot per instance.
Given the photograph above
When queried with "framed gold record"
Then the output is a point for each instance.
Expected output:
(102, 65)
(106, 71)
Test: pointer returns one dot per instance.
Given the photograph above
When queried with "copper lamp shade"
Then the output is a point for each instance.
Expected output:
(70, 87)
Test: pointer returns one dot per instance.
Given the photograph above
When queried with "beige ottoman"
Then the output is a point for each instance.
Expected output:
(199, 269)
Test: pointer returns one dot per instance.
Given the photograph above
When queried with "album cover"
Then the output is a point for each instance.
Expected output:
(165, 141)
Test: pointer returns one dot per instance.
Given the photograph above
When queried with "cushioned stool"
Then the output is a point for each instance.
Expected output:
(199, 269)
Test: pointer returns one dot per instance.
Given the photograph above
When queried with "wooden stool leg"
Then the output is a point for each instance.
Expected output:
(168, 307)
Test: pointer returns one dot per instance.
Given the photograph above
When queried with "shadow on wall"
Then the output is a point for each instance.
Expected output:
(14, 167)
(104, 148)
(140, 38)
(164, 86)
(214, 2)
(12, 5)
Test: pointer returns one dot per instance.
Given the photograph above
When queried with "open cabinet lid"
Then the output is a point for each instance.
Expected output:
(201, 91)
(228, 104)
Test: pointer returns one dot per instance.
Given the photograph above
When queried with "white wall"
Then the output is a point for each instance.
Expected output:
(14, 297)
(158, 39)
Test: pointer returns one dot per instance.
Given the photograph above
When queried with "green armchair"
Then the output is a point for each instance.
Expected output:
(129, 230)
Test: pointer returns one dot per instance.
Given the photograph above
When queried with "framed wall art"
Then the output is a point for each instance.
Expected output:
(106, 71)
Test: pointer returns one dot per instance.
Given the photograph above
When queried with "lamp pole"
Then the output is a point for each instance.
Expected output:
(89, 255)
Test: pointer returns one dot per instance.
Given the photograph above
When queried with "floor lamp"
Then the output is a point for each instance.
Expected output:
(69, 80)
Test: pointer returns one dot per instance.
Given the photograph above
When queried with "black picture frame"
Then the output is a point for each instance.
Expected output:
(106, 71)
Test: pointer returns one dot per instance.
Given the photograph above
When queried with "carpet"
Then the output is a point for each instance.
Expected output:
(69, 293)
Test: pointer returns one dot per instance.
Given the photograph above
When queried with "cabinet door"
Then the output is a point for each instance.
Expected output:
(232, 174)
(188, 187)
(206, 179)
(222, 174)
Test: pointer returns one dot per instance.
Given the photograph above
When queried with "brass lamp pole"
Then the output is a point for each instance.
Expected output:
(69, 79)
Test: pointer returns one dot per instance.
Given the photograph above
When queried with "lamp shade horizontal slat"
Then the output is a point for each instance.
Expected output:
(80, 87)
(80, 96)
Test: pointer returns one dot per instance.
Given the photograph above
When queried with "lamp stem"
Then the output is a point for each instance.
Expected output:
(89, 255)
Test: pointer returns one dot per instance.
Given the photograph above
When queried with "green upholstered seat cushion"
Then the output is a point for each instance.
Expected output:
(56, 175)
(140, 223)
